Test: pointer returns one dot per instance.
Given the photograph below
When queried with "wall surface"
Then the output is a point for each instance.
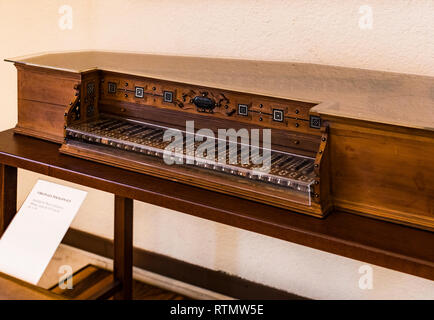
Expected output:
(398, 38)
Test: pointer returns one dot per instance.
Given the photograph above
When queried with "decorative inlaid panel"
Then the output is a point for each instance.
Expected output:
(241, 107)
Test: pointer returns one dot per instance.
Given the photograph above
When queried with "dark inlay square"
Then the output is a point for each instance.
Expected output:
(168, 96)
(315, 122)
(112, 87)
(243, 109)
(278, 115)
(139, 92)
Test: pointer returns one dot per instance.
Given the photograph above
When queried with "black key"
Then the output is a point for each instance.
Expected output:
(126, 130)
(301, 165)
(286, 161)
(106, 125)
(157, 136)
(117, 126)
(98, 124)
(289, 164)
(305, 166)
(139, 130)
(154, 135)
(148, 134)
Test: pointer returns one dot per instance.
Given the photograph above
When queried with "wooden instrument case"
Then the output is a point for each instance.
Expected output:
(372, 156)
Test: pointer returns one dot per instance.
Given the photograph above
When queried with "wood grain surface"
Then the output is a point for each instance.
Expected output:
(385, 97)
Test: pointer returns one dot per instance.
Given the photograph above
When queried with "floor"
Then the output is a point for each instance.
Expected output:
(89, 272)
(68, 260)
(86, 280)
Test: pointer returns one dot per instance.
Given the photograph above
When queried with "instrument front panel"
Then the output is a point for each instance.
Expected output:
(260, 110)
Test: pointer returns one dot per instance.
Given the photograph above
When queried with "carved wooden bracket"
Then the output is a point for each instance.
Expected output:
(319, 167)
(73, 110)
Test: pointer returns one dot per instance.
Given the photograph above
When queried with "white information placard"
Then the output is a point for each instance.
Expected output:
(34, 234)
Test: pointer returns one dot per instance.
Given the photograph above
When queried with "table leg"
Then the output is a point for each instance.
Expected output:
(8, 195)
(123, 246)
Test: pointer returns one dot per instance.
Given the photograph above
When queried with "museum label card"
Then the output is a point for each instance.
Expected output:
(34, 234)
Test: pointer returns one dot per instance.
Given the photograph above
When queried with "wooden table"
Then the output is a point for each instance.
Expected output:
(373, 241)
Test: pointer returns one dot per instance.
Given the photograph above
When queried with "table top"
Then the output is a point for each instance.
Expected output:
(384, 97)
(373, 241)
